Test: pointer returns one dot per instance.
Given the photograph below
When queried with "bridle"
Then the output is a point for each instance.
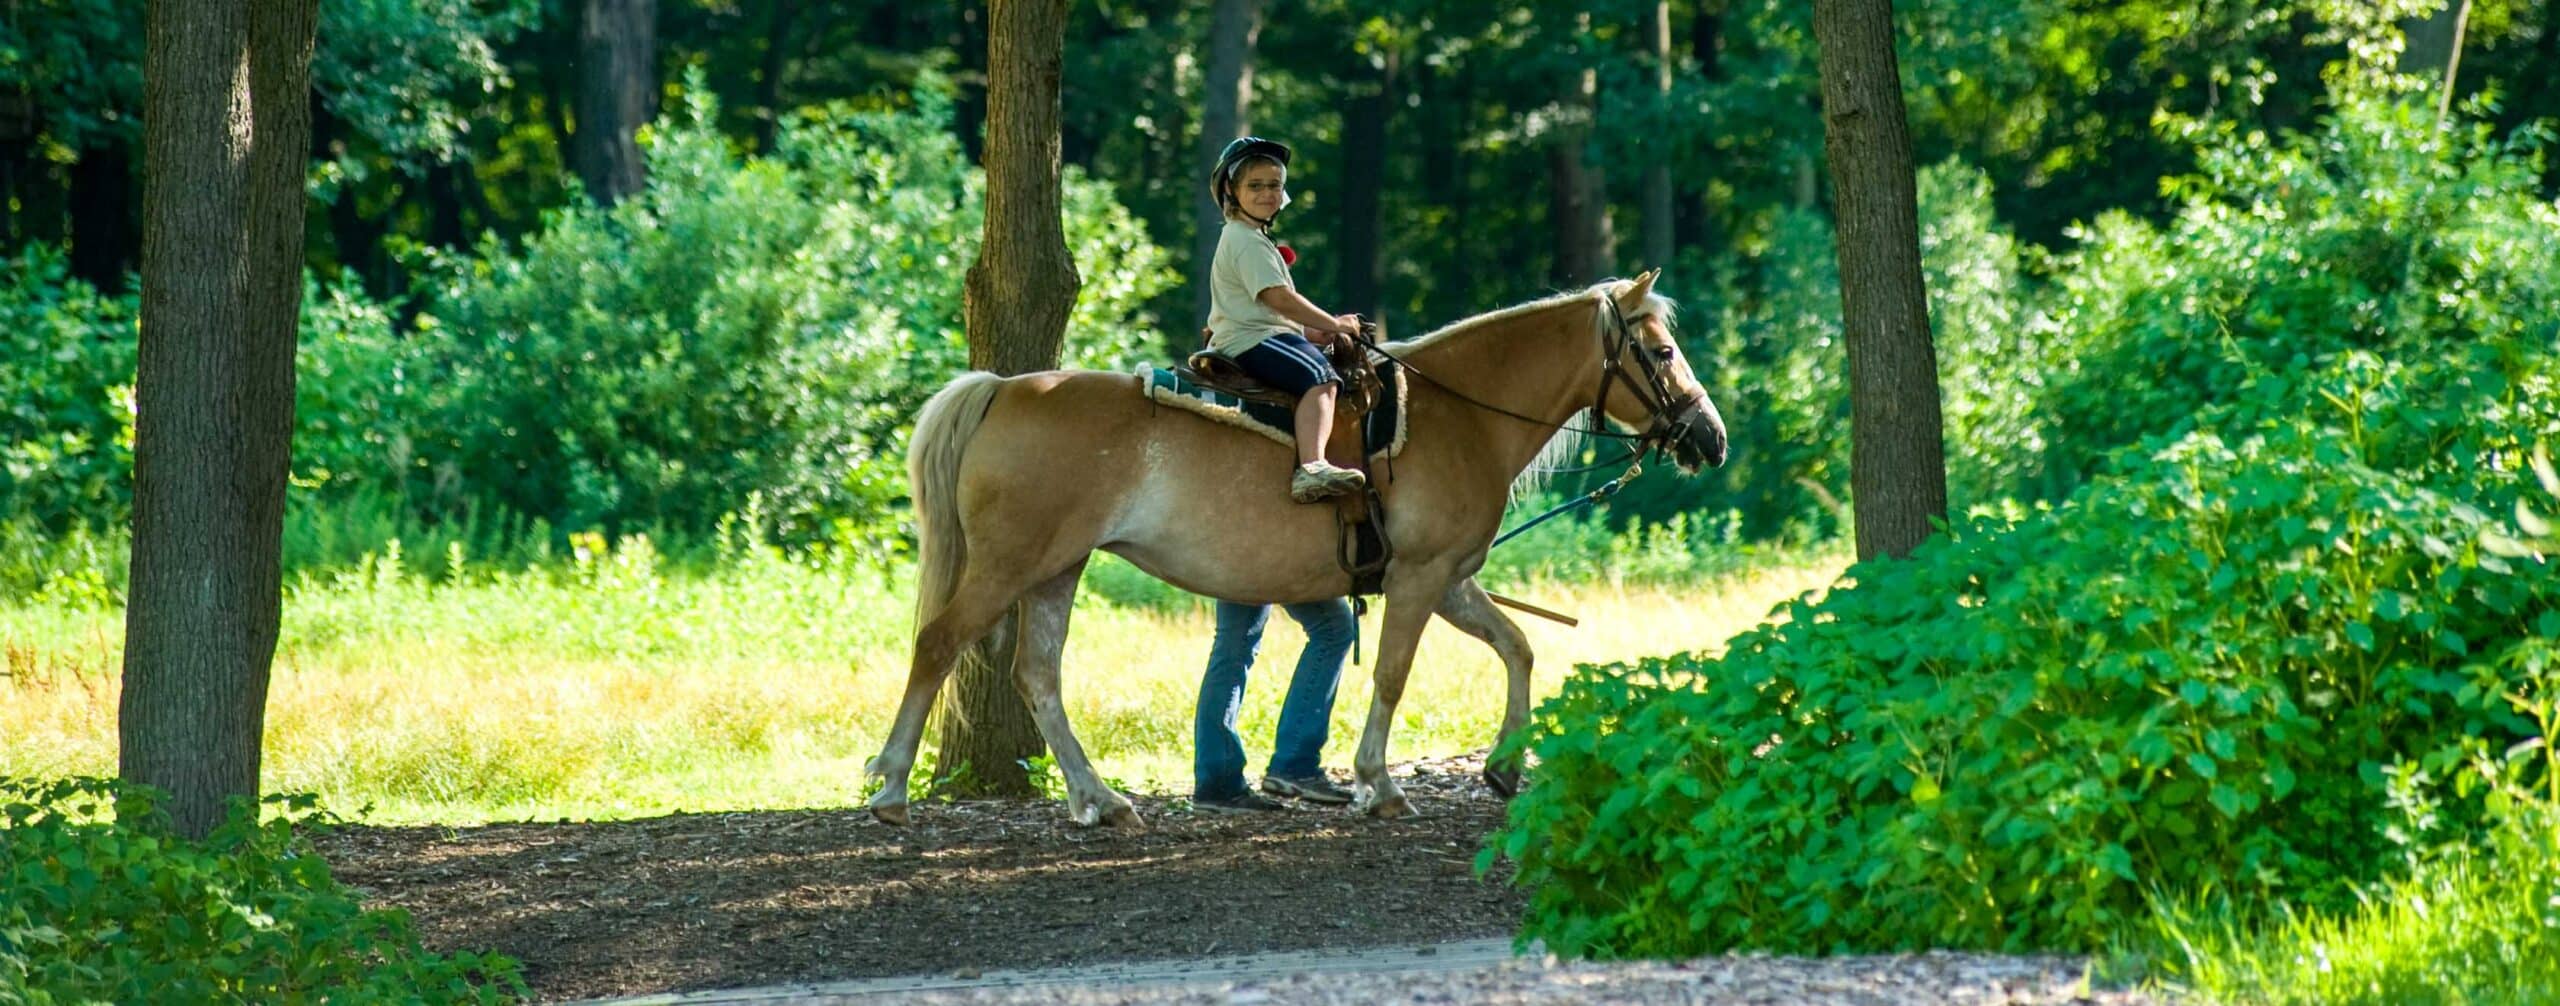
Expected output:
(1671, 413)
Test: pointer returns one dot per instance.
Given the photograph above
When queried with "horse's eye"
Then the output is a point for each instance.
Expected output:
(1666, 354)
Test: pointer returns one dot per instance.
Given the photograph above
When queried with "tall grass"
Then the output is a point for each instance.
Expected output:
(2475, 920)
(606, 684)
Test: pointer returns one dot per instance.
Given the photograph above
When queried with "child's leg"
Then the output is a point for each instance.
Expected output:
(1315, 422)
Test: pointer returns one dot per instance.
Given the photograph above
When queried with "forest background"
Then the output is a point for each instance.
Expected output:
(2245, 328)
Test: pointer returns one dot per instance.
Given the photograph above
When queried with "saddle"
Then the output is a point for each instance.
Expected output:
(1361, 429)
(1350, 358)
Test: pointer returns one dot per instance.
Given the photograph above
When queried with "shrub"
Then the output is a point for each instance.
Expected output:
(104, 903)
(66, 395)
(2379, 231)
(2188, 677)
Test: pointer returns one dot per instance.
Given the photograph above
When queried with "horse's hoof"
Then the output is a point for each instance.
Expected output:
(1124, 818)
(1391, 808)
(1505, 782)
(890, 813)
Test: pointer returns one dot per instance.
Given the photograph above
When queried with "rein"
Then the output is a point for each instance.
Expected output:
(1670, 418)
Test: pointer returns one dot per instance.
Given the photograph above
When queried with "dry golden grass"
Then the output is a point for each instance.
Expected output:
(614, 692)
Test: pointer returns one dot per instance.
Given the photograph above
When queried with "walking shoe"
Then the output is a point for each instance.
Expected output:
(1310, 788)
(1237, 804)
(1318, 480)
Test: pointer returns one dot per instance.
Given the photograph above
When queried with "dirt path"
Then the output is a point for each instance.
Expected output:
(980, 903)
(1467, 971)
(738, 900)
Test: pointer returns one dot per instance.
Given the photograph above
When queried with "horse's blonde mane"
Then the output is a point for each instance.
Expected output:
(1567, 443)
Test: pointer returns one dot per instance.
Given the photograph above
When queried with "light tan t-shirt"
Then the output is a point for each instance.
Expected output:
(1247, 263)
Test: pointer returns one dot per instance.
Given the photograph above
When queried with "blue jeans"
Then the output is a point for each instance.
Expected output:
(1297, 750)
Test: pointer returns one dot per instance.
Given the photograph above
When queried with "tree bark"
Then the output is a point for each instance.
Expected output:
(777, 49)
(1234, 27)
(226, 112)
(617, 94)
(1366, 108)
(1016, 302)
(105, 236)
(1577, 190)
(1658, 209)
(1897, 461)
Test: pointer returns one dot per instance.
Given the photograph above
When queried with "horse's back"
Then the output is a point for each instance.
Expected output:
(1084, 455)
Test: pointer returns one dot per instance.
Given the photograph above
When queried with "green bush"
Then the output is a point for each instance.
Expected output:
(2188, 677)
(2378, 231)
(764, 327)
(66, 396)
(104, 903)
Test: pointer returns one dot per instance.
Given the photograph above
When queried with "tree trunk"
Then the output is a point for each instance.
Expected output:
(2434, 48)
(1366, 108)
(227, 120)
(1657, 173)
(1016, 301)
(105, 237)
(777, 48)
(1577, 190)
(617, 94)
(1897, 461)
(1227, 113)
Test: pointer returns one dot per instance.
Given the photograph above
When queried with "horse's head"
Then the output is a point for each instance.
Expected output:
(1646, 383)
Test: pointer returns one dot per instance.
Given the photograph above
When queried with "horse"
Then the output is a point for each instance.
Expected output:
(1017, 480)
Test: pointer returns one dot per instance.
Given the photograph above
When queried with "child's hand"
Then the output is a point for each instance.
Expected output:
(1350, 324)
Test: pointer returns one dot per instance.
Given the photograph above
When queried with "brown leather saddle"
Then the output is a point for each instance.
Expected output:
(1362, 517)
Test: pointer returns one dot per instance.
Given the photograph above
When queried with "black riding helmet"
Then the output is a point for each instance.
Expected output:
(1222, 178)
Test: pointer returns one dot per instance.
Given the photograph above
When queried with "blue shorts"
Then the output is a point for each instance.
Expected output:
(1288, 362)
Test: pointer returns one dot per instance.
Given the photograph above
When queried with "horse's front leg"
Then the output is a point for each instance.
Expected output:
(1413, 593)
(1467, 607)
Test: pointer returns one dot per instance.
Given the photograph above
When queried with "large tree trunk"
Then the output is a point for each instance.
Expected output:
(617, 94)
(1577, 190)
(105, 237)
(1897, 460)
(227, 120)
(777, 61)
(1227, 113)
(2434, 48)
(1657, 173)
(1016, 301)
(1366, 108)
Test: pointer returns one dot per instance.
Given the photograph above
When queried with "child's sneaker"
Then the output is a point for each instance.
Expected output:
(1319, 480)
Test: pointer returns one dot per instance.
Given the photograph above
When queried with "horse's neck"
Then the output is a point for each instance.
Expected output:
(1539, 365)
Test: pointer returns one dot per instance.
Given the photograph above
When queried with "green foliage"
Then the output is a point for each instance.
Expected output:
(66, 396)
(2476, 921)
(104, 903)
(399, 71)
(2188, 677)
(767, 327)
(2378, 231)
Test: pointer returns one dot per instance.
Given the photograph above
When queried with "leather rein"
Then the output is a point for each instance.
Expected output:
(1671, 413)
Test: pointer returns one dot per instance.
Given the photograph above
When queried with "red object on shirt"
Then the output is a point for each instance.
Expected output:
(1288, 255)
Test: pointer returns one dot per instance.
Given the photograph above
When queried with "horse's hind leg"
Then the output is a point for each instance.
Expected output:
(1035, 671)
(971, 611)
(1467, 607)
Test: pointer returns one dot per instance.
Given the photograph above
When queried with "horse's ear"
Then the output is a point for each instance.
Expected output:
(1635, 295)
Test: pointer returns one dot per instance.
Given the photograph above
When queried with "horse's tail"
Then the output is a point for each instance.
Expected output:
(943, 429)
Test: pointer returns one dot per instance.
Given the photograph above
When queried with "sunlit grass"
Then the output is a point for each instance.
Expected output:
(611, 689)
(2480, 924)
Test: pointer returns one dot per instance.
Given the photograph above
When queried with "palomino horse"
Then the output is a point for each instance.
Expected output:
(1017, 480)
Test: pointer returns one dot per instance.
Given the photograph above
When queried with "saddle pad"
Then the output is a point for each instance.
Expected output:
(1382, 431)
